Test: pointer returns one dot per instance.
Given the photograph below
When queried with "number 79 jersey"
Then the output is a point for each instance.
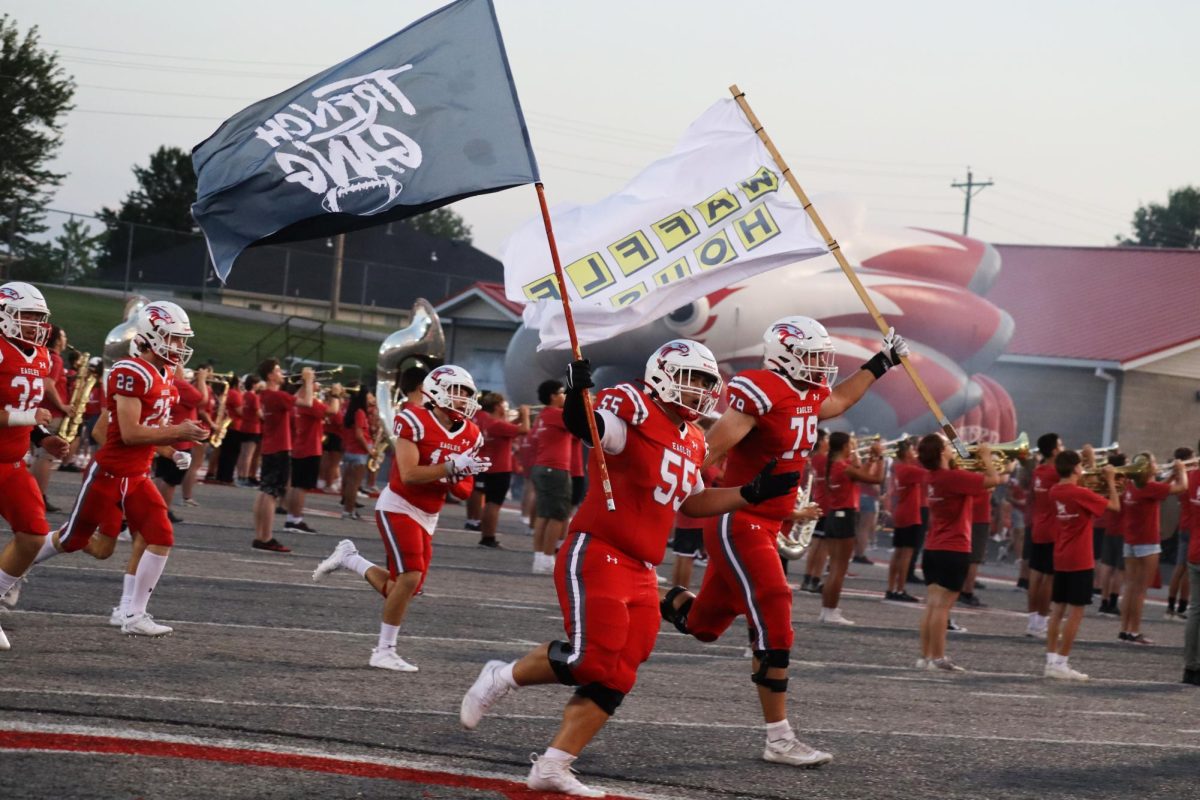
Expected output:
(654, 465)
(133, 377)
(786, 429)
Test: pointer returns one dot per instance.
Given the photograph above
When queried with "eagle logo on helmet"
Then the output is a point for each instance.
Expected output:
(672, 347)
(9, 293)
(441, 372)
(789, 334)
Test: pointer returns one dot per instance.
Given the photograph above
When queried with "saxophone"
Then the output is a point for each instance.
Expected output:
(69, 429)
(223, 421)
(378, 448)
(795, 543)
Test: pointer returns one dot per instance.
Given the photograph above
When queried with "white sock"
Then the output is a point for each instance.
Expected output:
(1033, 618)
(779, 730)
(505, 675)
(357, 563)
(294, 520)
(1051, 659)
(1062, 661)
(149, 570)
(48, 550)
(554, 754)
(127, 590)
(387, 636)
(7, 582)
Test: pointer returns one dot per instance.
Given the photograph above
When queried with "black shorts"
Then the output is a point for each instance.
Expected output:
(495, 486)
(578, 489)
(305, 472)
(276, 470)
(1097, 541)
(1073, 588)
(1112, 552)
(907, 536)
(253, 438)
(819, 528)
(1041, 558)
(841, 523)
(166, 471)
(946, 568)
(979, 540)
(332, 443)
(688, 542)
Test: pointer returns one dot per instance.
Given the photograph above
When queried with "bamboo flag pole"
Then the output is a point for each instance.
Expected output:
(570, 320)
(836, 249)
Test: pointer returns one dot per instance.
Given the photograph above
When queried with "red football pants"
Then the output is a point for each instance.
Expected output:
(105, 498)
(409, 547)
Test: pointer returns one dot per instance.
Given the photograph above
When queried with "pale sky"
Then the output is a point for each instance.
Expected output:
(1079, 110)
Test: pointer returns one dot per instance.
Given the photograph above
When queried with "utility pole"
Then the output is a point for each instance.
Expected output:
(335, 291)
(971, 188)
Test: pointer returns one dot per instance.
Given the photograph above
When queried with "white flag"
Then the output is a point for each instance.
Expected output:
(710, 214)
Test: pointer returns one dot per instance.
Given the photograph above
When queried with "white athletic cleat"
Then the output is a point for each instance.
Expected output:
(4, 645)
(117, 618)
(386, 658)
(1063, 672)
(833, 616)
(548, 775)
(485, 692)
(10, 598)
(345, 548)
(144, 625)
(795, 753)
(944, 664)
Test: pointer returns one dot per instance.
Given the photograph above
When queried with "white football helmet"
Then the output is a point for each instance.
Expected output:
(684, 373)
(452, 389)
(163, 327)
(801, 348)
(24, 315)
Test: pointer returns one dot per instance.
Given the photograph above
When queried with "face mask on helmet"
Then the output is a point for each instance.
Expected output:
(452, 390)
(800, 348)
(24, 316)
(164, 329)
(684, 374)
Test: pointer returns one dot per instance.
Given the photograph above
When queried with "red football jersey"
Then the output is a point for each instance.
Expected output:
(435, 445)
(657, 468)
(1077, 509)
(22, 386)
(133, 377)
(1045, 521)
(786, 430)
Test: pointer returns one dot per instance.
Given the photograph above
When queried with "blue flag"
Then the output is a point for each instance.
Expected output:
(422, 119)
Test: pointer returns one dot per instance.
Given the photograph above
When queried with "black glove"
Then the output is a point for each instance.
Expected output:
(579, 375)
(766, 486)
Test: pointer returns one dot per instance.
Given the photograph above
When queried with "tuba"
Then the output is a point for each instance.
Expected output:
(119, 342)
(795, 543)
(423, 341)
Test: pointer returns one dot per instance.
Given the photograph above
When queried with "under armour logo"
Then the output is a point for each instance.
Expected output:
(754, 527)
(611, 559)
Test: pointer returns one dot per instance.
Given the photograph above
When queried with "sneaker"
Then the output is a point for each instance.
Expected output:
(889, 595)
(10, 598)
(548, 775)
(280, 510)
(923, 663)
(814, 587)
(862, 560)
(351, 515)
(905, 597)
(301, 526)
(1123, 636)
(471, 524)
(795, 753)
(970, 600)
(944, 664)
(174, 519)
(1022, 583)
(4, 645)
(1035, 631)
(1191, 676)
(50, 507)
(386, 658)
(954, 627)
(117, 618)
(272, 544)
(188, 501)
(484, 693)
(1063, 672)
(1137, 638)
(144, 625)
(543, 564)
(345, 548)
(833, 616)
(1169, 614)
(490, 541)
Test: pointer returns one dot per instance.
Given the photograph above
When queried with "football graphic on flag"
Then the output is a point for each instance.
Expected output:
(362, 196)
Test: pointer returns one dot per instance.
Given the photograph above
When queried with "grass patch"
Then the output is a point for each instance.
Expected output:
(226, 342)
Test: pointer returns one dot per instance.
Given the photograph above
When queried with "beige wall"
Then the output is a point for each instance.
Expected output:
(1158, 413)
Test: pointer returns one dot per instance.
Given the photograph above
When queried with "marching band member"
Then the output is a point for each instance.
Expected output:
(276, 405)
(817, 556)
(947, 553)
(772, 418)
(251, 430)
(168, 475)
(436, 447)
(981, 530)
(843, 474)
(1177, 589)
(1112, 552)
(492, 486)
(1141, 502)
(1191, 636)
(54, 399)
(231, 445)
(604, 574)
(1077, 509)
(1042, 526)
(201, 381)
(309, 424)
(551, 476)
(909, 478)
(356, 450)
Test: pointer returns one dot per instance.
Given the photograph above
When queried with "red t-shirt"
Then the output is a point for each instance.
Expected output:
(1045, 477)
(59, 379)
(1077, 509)
(910, 484)
(277, 408)
(950, 492)
(186, 407)
(350, 442)
(310, 429)
(981, 508)
(95, 403)
(498, 435)
(251, 422)
(1189, 503)
(1110, 523)
(820, 490)
(1141, 505)
(1193, 499)
(552, 440)
(841, 488)
(233, 407)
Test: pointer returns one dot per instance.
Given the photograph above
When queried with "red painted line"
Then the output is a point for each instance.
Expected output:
(80, 743)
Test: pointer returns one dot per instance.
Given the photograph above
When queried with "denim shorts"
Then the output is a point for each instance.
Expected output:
(355, 458)
(1141, 550)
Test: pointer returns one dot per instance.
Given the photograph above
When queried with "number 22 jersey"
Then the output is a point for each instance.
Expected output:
(133, 377)
(654, 465)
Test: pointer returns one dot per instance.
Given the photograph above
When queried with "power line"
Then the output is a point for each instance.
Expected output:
(185, 58)
(970, 189)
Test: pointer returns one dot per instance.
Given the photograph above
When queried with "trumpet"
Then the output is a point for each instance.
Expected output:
(71, 423)
(1100, 455)
(1138, 470)
(1002, 453)
(318, 375)
(1188, 464)
(515, 413)
(865, 443)
(796, 542)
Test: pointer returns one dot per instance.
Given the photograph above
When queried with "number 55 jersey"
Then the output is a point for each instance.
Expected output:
(654, 465)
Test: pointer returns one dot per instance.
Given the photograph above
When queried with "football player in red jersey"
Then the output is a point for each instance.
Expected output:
(654, 453)
(772, 417)
(139, 393)
(436, 448)
(24, 367)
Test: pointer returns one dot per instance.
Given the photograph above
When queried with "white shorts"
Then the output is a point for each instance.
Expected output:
(1141, 550)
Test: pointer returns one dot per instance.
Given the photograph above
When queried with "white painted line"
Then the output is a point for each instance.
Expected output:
(507, 605)
(1007, 694)
(915, 680)
(1107, 713)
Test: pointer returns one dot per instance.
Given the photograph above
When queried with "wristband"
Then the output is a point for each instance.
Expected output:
(878, 365)
(38, 433)
(21, 419)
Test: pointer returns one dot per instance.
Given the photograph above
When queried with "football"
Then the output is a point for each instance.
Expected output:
(362, 196)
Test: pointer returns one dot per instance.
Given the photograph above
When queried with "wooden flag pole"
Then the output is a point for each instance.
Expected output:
(836, 249)
(605, 483)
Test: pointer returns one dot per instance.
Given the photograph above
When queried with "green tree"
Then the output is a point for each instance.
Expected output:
(444, 222)
(158, 211)
(35, 94)
(70, 258)
(1177, 224)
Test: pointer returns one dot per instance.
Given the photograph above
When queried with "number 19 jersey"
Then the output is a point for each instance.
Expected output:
(435, 445)
(133, 377)
(655, 468)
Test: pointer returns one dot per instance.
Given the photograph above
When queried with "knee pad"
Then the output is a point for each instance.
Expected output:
(766, 660)
(559, 652)
(607, 699)
(676, 616)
